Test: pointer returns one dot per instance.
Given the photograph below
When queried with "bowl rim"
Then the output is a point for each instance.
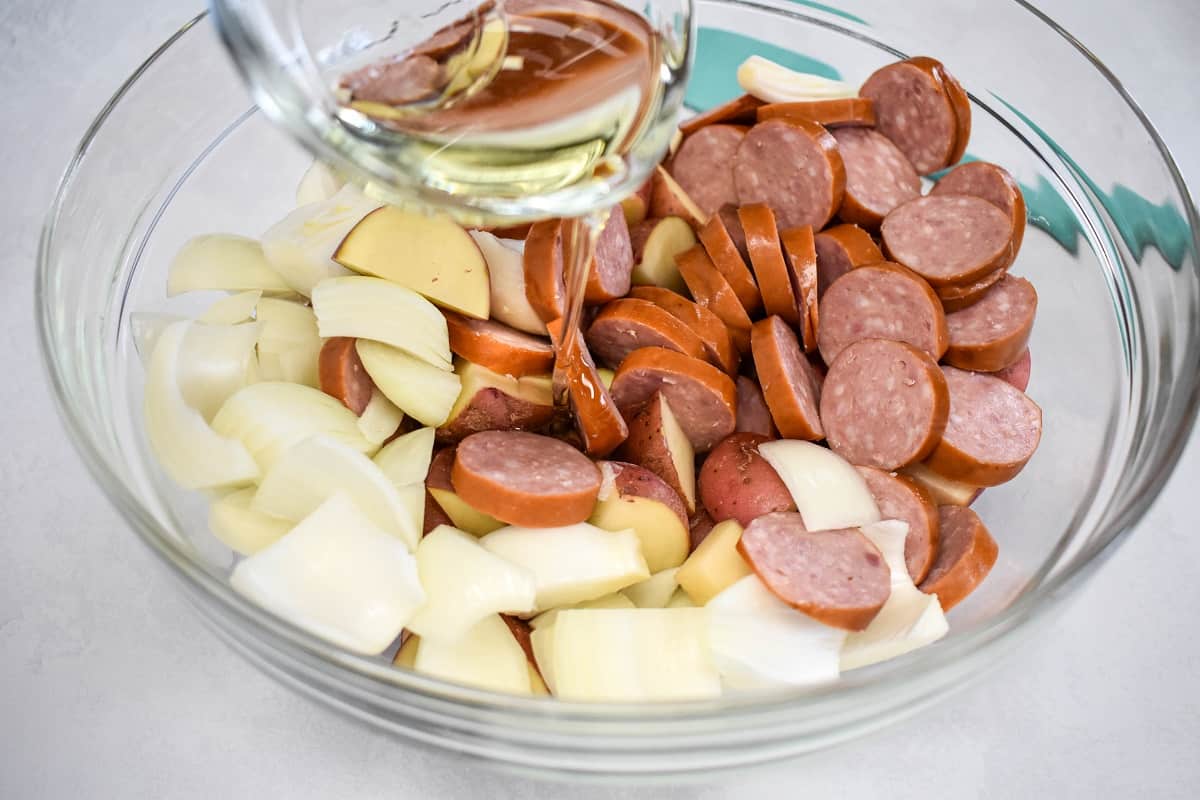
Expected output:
(977, 642)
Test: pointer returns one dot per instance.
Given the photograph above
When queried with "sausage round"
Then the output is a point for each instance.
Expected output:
(959, 101)
(729, 262)
(525, 479)
(702, 397)
(993, 431)
(1017, 374)
(913, 109)
(994, 184)
(753, 416)
(841, 249)
(884, 404)
(733, 226)
(948, 238)
(800, 247)
(718, 344)
(611, 270)
(342, 375)
(740, 109)
(704, 165)
(956, 297)
(544, 288)
(737, 483)
(790, 385)
(624, 325)
(849, 111)
(766, 255)
(881, 301)
(793, 166)
(900, 497)
(498, 347)
(991, 334)
(710, 290)
(879, 176)
(837, 577)
(600, 426)
(966, 554)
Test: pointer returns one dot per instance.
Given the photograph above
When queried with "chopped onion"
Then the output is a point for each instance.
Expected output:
(319, 183)
(222, 261)
(289, 347)
(506, 271)
(195, 455)
(655, 591)
(215, 362)
(487, 657)
(406, 458)
(337, 576)
(232, 310)
(242, 529)
(146, 327)
(424, 392)
(827, 489)
(382, 311)
(614, 600)
(775, 83)
(300, 247)
(316, 468)
(380, 419)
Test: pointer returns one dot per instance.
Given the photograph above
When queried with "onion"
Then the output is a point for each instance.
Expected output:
(775, 83)
(487, 656)
(300, 247)
(289, 347)
(319, 183)
(242, 529)
(423, 392)
(380, 419)
(406, 458)
(146, 327)
(828, 491)
(222, 261)
(215, 362)
(231, 310)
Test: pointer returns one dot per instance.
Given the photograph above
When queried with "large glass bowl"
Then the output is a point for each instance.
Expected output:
(1111, 247)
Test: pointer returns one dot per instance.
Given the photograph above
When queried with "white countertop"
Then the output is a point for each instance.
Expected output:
(110, 687)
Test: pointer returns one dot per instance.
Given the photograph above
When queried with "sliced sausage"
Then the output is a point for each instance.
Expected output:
(848, 111)
(737, 483)
(994, 184)
(793, 166)
(710, 290)
(434, 515)
(900, 497)
(790, 385)
(668, 199)
(800, 247)
(729, 262)
(881, 301)
(525, 479)
(633, 480)
(966, 554)
(704, 165)
(498, 347)
(740, 109)
(611, 271)
(884, 404)
(718, 344)
(438, 475)
(733, 226)
(1018, 373)
(841, 249)
(753, 416)
(993, 431)
(959, 101)
(879, 176)
(991, 334)
(342, 375)
(650, 445)
(600, 426)
(624, 325)
(956, 297)
(948, 238)
(913, 109)
(766, 255)
(837, 577)
(544, 287)
(702, 397)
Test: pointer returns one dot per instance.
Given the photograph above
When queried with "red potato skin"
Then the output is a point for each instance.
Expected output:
(700, 526)
(523, 634)
(647, 446)
(492, 409)
(632, 480)
(434, 515)
(737, 483)
(342, 374)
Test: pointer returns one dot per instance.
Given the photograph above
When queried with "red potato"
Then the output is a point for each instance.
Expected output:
(634, 498)
(449, 507)
(668, 199)
(658, 443)
(656, 242)
(737, 483)
(434, 515)
(342, 374)
(699, 526)
(489, 401)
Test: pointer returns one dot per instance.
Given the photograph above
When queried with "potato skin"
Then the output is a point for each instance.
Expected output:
(631, 480)
(492, 409)
(737, 483)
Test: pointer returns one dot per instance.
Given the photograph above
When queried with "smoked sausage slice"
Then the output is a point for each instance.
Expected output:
(913, 109)
(994, 184)
(704, 165)
(600, 425)
(753, 416)
(966, 554)
(900, 497)
(793, 166)
(959, 101)
(849, 111)
(949, 238)
(726, 257)
(766, 254)
(342, 375)
(544, 287)
(956, 297)
(740, 109)
(800, 248)
(879, 176)
(737, 483)
(790, 385)
(624, 325)
(498, 347)
(611, 272)
(991, 334)
(841, 249)
(718, 344)
(710, 290)
(1018, 373)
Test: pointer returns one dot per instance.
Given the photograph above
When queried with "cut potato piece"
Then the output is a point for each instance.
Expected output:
(375, 309)
(242, 529)
(405, 459)
(636, 206)
(289, 347)
(658, 443)
(573, 563)
(506, 268)
(465, 583)
(222, 262)
(945, 491)
(491, 401)
(655, 249)
(542, 640)
(195, 455)
(423, 392)
(654, 592)
(715, 565)
(337, 576)
(406, 656)
(537, 686)
(268, 418)
(664, 538)
(232, 310)
(464, 516)
(318, 184)
(429, 253)
(829, 492)
(215, 362)
(639, 655)
(680, 599)
(614, 600)
(606, 376)
(668, 199)
(487, 657)
(301, 245)
(380, 419)
(314, 469)
(908, 620)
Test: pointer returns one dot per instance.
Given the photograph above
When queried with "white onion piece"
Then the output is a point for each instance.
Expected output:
(406, 458)
(380, 419)
(760, 642)
(382, 311)
(465, 583)
(775, 83)
(319, 183)
(424, 392)
(337, 576)
(242, 529)
(224, 262)
(146, 327)
(506, 270)
(232, 310)
(215, 362)
(908, 620)
(289, 347)
(614, 600)
(638, 655)
(828, 491)
(655, 591)
(195, 455)
(486, 657)
(268, 418)
(312, 470)
(573, 563)
(300, 247)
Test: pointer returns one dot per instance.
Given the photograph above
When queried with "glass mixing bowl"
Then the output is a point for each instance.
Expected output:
(1112, 249)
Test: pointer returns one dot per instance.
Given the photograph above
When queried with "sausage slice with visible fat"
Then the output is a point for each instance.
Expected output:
(544, 287)
(611, 271)
(900, 497)
(627, 324)
(718, 344)
(727, 258)
(841, 249)
(790, 385)
(600, 426)
(949, 238)
(994, 184)
(879, 176)
(957, 296)
(966, 554)
(498, 347)
(766, 255)
(913, 109)
(753, 416)
(710, 290)
(793, 166)
(800, 248)
(342, 375)
(703, 166)
(991, 334)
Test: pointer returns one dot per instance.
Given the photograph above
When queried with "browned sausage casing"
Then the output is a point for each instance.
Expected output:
(949, 238)
(793, 166)
(726, 257)
(718, 344)
(766, 254)
(790, 385)
(498, 347)
(991, 334)
(966, 554)
(710, 290)
(849, 111)
(900, 497)
(740, 109)
(611, 270)
(627, 324)
(342, 375)
(841, 249)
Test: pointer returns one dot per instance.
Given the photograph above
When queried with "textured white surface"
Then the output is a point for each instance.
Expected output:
(109, 687)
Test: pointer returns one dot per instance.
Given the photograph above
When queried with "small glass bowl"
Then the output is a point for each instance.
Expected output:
(1111, 248)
